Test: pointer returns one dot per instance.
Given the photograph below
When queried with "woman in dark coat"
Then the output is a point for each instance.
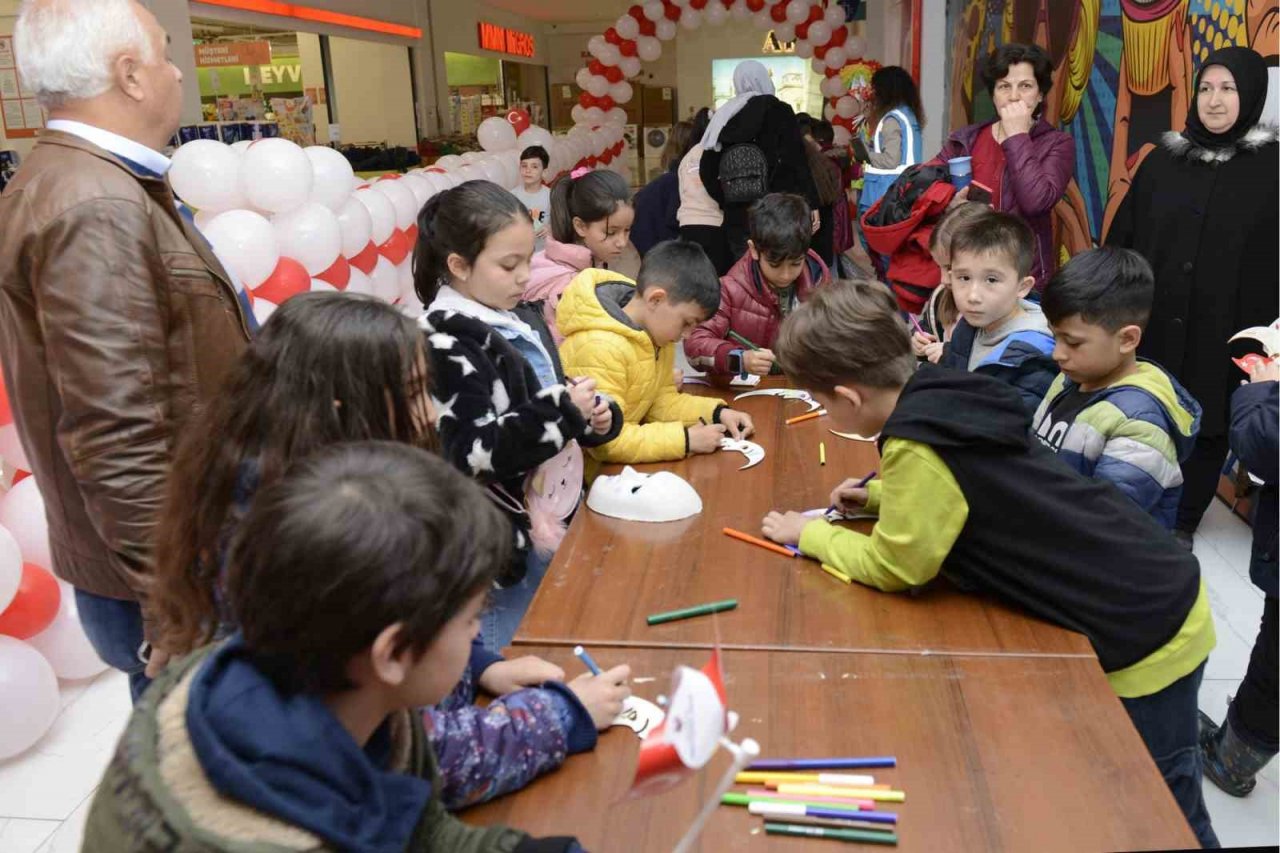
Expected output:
(1202, 210)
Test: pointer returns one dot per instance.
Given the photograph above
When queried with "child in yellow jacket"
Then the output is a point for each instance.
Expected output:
(623, 335)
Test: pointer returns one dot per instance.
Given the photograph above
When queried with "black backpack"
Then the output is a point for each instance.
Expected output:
(744, 173)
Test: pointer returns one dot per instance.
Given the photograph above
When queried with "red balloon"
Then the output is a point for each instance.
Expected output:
(820, 52)
(518, 119)
(612, 37)
(755, 5)
(411, 235)
(832, 72)
(617, 148)
(592, 161)
(35, 605)
(613, 73)
(596, 67)
(839, 37)
(339, 274)
(636, 12)
(606, 157)
(605, 103)
(778, 13)
(815, 14)
(367, 259)
(628, 47)
(289, 279)
(586, 100)
(802, 30)
(672, 11)
(647, 27)
(396, 249)
(697, 4)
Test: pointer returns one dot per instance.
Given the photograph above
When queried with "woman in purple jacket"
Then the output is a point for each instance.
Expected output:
(1023, 160)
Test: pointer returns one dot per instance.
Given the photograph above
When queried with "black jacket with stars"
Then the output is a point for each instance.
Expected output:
(496, 423)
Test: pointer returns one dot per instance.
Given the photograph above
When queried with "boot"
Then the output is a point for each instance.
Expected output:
(1229, 762)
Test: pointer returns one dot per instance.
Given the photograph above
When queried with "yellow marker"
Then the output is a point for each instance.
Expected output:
(812, 790)
(836, 573)
(760, 777)
(822, 453)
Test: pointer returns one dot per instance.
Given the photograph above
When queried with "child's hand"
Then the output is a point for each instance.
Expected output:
(784, 528)
(920, 342)
(508, 676)
(583, 394)
(705, 438)
(758, 362)
(933, 352)
(602, 695)
(677, 375)
(601, 417)
(1265, 371)
(739, 423)
(849, 496)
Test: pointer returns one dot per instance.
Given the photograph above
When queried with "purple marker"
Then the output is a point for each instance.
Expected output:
(823, 763)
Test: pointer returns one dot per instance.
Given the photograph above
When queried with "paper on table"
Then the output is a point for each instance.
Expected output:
(639, 715)
(837, 515)
(751, 380)
(853, 436)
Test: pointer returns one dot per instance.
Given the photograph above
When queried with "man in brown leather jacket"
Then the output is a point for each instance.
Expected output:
(117, 322)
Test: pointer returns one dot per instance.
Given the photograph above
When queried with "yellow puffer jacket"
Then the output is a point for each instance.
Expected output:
(625, 366)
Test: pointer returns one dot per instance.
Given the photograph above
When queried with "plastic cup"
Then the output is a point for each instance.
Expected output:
(961, 169)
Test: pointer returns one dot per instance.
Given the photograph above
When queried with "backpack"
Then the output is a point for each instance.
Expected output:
(744, 173)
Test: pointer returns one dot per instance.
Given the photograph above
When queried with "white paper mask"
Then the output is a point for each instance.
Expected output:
(632, 496)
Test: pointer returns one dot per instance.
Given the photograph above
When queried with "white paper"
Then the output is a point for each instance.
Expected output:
(639, 715)
(9, 84)
(751, 380)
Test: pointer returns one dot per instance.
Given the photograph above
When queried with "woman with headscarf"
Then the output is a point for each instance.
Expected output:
(1202, 210)
(755, 116)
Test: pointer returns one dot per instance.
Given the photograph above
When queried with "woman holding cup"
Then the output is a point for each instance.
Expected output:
(1018, 162)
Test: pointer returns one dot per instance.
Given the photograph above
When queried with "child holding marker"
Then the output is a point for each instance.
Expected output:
(967, 491)
(938, 319)
(591, 216)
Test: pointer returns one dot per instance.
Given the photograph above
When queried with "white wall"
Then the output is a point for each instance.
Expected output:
(934, 74)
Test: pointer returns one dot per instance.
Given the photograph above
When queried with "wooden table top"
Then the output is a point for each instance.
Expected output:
(608, 575)
(994, 753)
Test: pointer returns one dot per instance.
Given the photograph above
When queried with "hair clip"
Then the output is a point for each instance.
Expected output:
(580, 171)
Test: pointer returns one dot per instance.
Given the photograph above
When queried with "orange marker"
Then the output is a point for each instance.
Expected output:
(748, 538)
(805, 417)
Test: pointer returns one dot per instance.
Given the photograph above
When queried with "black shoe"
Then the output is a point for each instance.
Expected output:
(1229, 762)
(1186, 538)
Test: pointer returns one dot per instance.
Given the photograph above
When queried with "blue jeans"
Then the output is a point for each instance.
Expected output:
(1169, 724)
(114, 628)
(507, 606)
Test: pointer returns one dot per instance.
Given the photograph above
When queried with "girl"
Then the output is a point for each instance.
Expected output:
(591, 218)
(940, 314)
(331, 368)
(506, 416)
(895, 120)
(657, 205)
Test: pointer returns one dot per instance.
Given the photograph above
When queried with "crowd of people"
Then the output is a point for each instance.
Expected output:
(308, 544)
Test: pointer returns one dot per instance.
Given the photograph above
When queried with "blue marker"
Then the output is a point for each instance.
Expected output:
(586, 660)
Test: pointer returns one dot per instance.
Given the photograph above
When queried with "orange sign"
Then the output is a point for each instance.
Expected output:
(505, 40)
(219, 53)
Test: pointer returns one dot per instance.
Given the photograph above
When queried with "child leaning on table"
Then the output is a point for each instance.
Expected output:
(968, 492)
(358, 579)
(624, 336)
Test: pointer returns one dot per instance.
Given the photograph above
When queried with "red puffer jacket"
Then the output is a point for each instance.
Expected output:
(749, 307)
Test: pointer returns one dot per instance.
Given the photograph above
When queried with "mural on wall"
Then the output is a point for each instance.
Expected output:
(1123, 71)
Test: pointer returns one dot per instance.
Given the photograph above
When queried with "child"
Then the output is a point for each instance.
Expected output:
(778, 272)
(279, 407)
(591, 218)
(968, 492)
(940, 315)
(1109, 415)
(624, 336)
(298, 732)
(1000, 333)
(506, 415)
(532, 193)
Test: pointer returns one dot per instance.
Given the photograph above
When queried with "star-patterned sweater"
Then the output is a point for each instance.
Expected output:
(496, 423)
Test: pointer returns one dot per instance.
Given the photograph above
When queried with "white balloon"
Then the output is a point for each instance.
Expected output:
(578, 114)
(654, 10)
(496, 134)
(595, 116)
(359, 283)
(627, 27)
(22, 514)
(386, 283)
(621, 92)
(241, 146)
(691, 19)
(535, 135)
(762, 19)
(856, 46)
(30, 696)
(472, 157)
(310, 235)
(206, 175)
(804, 50)
(247, 242)
(819, 33)
(610, 55)
(318, 286)
(832, 87)
(275, 175)
(382, 214)
(204, 217)
(797, 12)
(11, 450)
(834, 16)
(818, 65)
(582, 78)
(665, 29)
(630, 65)
(469, 172)
(842, 135)
(837, 58)
(423, 189)
(331, 185)
(408, 296)
(493, 171)
(846, 107)
(10, 568)
(449, 161)
(597, 86)
(402, 199)
(616, 116)
(828, 112)
(64, 644)
(262, 310)
(715, 13)
(649, 48)
(594, 44)
(356, 226)
(740, 11)
(785, 32)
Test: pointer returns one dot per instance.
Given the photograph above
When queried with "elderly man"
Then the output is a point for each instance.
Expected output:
(117, 322)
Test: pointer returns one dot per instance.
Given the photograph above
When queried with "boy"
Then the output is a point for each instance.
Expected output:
(1109, 415)
(1000, 332)
(301, 731)
(533, 194)
(624, 335)
(777, 272)
(968, 492)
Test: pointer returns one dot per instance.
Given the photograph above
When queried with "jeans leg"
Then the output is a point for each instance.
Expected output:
(1169, 724)
(114, 628)
(507, 606)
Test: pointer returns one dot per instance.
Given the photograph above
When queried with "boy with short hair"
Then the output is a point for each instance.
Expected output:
(623, 335)
(302, 730)
(533, 194)
(1109, 414)
(965, 490)
(778, 272)
(1000, 333)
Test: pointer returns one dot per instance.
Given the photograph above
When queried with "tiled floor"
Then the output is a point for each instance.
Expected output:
(45, 792)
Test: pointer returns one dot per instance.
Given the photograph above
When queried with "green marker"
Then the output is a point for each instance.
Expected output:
(740, 339)
(690, 612)
(735, 798)
(836, 834)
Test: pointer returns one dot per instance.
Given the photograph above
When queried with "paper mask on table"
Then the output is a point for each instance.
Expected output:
(1268, 339)
(632, 496)
(639, 715)
(853, 436)
(749, 449)
(786, 394)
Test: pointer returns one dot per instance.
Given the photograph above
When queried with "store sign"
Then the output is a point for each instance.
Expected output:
(505, 40)
(221, 53)
(773, 44)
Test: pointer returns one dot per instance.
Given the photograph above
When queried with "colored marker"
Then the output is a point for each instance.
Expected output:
(587, 660)
(836, 822)
(771, 796)
(763, 777)
(752, 540)
(690, 612)
(742, 340)
(867, 479)
(834, 834)
(801, 810)
(832, 791)
(822, 453)
(775, 784)
(838, 575)
(849, 807)
(807, 416)
(803, 764)
(916, 322)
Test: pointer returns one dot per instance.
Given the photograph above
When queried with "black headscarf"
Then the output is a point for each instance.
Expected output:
(1250, 72)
